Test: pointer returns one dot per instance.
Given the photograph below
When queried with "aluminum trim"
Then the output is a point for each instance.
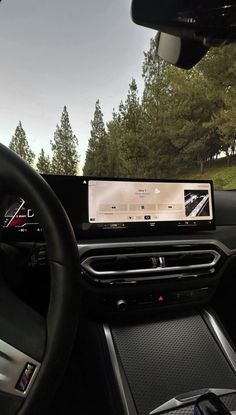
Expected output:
(127, 281)
(117, 372)
(86, 264)
(12, 363)
(189, 398)
(222, 340)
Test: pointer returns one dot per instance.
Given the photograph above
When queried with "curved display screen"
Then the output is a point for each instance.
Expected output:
(101, 207)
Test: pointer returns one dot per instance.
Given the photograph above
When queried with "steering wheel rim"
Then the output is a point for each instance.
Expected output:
(17, 177)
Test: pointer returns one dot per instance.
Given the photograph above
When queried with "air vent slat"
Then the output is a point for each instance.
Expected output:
(160, 263)
(189, 259)
(124, 264)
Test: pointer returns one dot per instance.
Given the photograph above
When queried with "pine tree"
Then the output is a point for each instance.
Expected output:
(20, 145)
(153, 66)
(133, 147)
(184, 120)
(96, 162)
(160, 154)
(219, 67)
(43, 165)
(177, 108)
(189, 110)
(65, 159)
(115, 146)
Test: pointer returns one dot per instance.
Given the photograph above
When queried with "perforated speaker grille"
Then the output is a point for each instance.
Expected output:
(167, 358)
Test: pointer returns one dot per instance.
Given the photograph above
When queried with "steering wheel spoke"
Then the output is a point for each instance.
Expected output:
(22, 343)
(18, 370)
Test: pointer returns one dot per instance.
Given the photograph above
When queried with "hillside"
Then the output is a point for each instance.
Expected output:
(224, 177)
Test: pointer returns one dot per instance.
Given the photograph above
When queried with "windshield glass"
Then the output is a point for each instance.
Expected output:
(84, 92)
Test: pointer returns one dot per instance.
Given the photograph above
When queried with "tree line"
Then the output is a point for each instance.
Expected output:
(182, 121)
(65, 156)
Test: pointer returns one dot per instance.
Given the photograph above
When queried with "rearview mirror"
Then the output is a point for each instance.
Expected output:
(212, 22)
(184, 53)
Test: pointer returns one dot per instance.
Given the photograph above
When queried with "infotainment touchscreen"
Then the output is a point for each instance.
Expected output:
(134, 201)
(103, 207)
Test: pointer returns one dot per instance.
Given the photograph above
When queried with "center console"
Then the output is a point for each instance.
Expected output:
(165, 348)
(163, 365)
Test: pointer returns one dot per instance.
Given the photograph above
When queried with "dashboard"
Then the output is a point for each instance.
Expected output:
(144, 244)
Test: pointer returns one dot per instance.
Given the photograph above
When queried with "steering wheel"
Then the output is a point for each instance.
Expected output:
(34, 351)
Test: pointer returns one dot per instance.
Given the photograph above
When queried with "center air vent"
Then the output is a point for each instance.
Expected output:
(134, 267)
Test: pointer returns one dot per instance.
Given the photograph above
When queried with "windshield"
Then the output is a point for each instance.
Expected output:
(84, 92)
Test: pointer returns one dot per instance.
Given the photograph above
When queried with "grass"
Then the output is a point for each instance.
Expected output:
(224, 177)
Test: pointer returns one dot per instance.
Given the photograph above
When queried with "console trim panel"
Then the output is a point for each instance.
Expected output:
(127, 407)
(221, 338)
(189, 398)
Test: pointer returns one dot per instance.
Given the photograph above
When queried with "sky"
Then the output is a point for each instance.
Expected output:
(65, 52)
